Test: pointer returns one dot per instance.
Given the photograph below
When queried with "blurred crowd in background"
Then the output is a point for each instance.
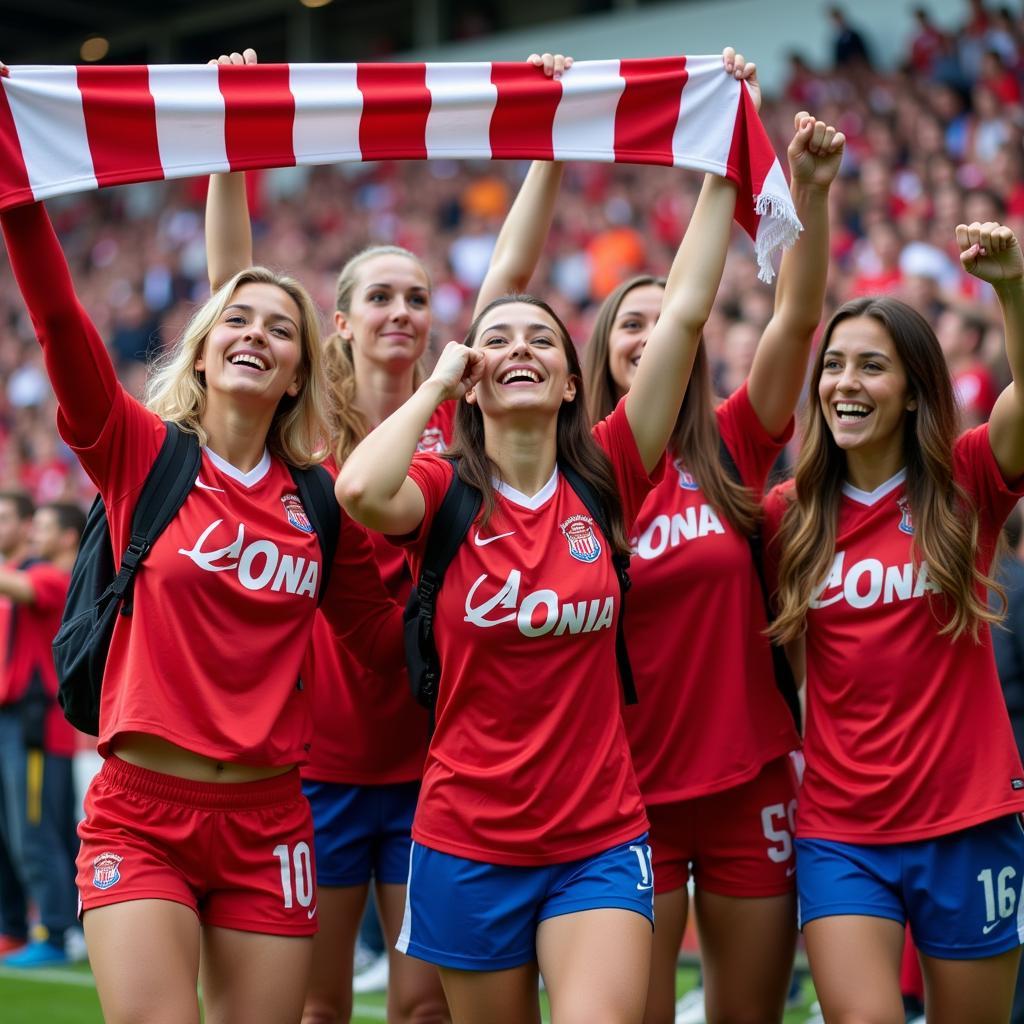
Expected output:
(936, 142)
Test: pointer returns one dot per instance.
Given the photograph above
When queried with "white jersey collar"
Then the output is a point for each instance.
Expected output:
(531, 502)
(250, 479)
(870, 497)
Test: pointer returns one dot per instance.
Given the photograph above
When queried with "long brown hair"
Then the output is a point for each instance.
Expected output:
(695, 438)
(348, 424)
(575, 445)
(945, 519)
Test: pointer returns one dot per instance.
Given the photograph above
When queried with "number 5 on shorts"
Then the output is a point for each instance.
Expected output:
(303, 874)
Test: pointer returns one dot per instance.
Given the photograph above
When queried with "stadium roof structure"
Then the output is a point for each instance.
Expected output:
(186, 31)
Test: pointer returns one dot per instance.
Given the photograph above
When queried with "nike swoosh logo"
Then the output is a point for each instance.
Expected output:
(482, 542)
(988, 928)
(207, 487)
(790, 872)
(640, 887)
(310, 913)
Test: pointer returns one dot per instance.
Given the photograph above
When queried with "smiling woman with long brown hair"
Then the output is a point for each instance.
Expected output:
(909, 809)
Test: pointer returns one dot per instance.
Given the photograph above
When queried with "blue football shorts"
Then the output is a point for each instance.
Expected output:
(361, 832)
(475, 916)
(961, 893)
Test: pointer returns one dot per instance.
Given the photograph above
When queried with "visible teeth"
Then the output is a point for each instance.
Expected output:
(247, 359)
(520, 374)
(854, 409)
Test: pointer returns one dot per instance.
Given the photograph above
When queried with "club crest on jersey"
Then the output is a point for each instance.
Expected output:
(296, 513)
(105, 872)
(686, 480)
(431, 440)
(583, 543)
(906, 519)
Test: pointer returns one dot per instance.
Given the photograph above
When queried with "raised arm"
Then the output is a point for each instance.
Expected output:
(17, 586)
(656, 393)
(373, 485)
(522, 237)
(990, 251)
(77, 361)
(780, 364)
(228, 231)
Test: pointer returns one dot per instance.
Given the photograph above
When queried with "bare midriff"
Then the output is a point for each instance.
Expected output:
(159, 755)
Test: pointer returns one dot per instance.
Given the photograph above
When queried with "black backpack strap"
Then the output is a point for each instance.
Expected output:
(448, 530)
(599, 514)
(167, 486)
(784, 679)
(316, 491)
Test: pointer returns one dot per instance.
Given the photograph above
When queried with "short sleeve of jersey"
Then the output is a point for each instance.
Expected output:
(432, 474)
(975, 467)
(751, 446)
(615, 436)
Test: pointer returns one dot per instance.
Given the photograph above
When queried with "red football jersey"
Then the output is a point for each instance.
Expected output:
(225, 601)
(710, 715)
(30, 653)
(367, 729)
(907, 735)
(529, 763)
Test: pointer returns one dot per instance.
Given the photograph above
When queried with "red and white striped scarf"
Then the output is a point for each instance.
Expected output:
(69, 129)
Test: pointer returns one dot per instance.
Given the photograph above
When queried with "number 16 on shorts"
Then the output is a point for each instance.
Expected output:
(1000, 896)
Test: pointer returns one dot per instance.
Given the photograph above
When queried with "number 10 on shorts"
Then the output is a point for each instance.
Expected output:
(300, 863)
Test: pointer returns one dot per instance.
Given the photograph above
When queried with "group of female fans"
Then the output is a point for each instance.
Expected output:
(550, 825)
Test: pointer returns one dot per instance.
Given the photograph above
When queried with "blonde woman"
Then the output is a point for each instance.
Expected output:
(196, 849)
(370, 738)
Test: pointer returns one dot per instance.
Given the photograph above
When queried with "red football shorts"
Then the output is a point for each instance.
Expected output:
(239, 854)
(739, 842)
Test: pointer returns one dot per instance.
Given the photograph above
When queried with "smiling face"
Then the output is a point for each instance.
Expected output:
(526, 366)
(864, 391)
(254, 350)
(388, 319)
(634, 320)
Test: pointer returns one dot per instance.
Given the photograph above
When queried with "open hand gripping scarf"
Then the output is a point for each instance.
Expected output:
(70, 129)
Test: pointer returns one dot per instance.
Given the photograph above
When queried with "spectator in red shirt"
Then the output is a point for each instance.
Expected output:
(926, 45)
(15, 521)
(36, 744)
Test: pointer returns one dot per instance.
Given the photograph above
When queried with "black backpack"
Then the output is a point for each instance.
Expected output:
(784, 681)
(97, 594)
(451, 524)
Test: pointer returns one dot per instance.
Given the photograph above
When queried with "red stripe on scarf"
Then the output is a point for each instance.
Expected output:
(14, 183)
(648, 110)
(396, 105)
(259, 111)
(120, 121)
(750, 159)
(524, 114)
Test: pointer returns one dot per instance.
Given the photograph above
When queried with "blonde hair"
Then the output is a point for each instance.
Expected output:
(348, 424)
(945, 517)
(176, 390)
